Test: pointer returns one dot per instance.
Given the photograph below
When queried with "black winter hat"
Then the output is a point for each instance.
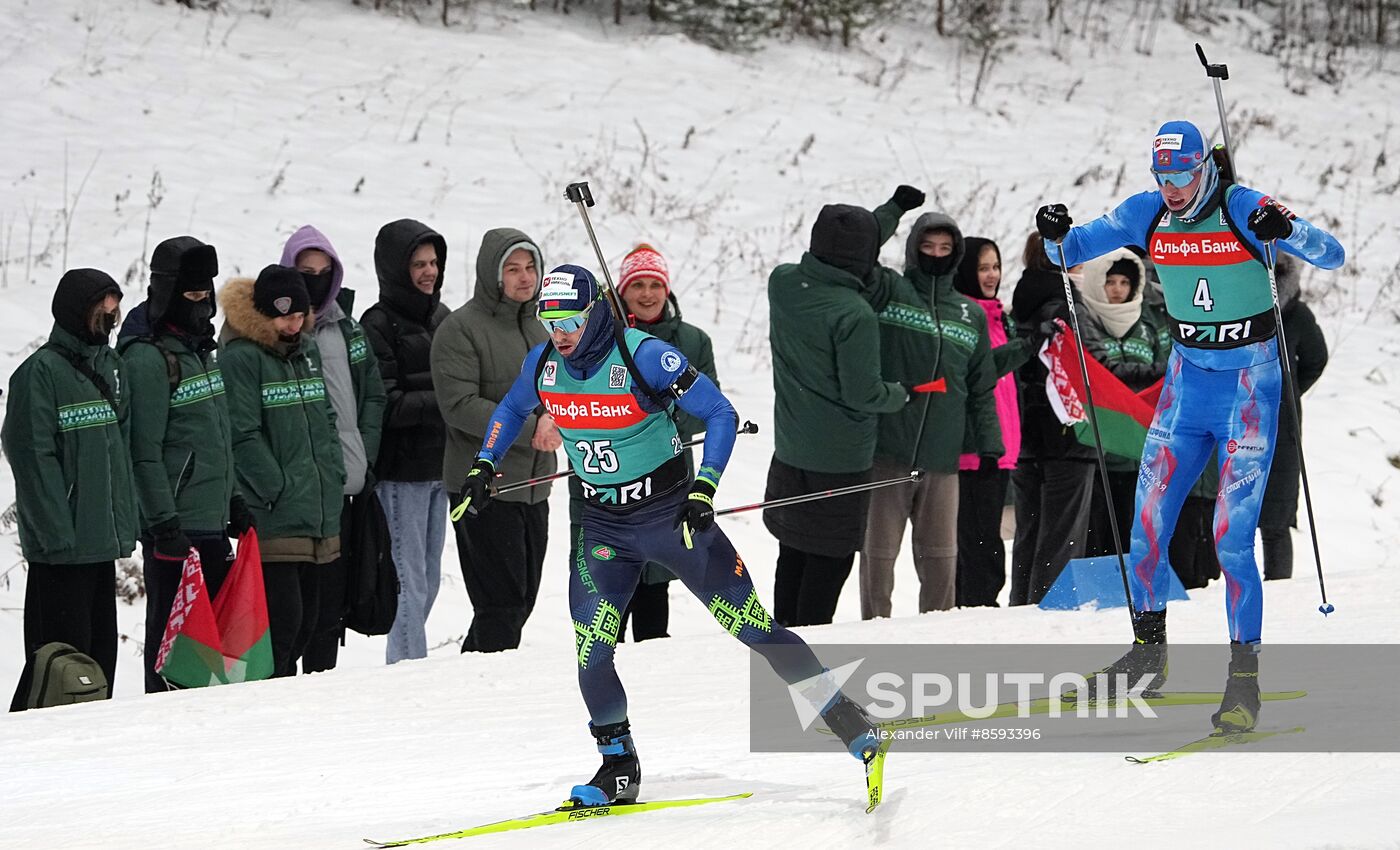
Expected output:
(179, 265)
(280, 291)
(1129, 269)
(847, 237)
(77, 291)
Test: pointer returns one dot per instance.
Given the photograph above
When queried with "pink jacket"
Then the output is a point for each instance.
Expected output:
(1008, 413)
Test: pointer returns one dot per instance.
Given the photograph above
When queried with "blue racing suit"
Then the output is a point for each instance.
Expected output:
(1222, 384)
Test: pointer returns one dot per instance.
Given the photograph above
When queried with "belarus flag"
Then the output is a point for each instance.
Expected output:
(1124, 416)
(189, 652)
(241, 612)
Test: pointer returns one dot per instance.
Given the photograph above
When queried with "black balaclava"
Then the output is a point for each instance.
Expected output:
(179, 265)
(78, 292)
(938, 266)
(318, 286)
(846, 237)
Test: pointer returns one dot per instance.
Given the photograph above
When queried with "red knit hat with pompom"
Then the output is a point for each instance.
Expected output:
(643, 261)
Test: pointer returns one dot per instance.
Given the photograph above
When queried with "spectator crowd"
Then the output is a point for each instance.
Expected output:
(300, 421)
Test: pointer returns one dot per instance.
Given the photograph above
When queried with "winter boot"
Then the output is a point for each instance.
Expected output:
(1239, 708)
(1146, 657)
(620, 778)
(850, 724)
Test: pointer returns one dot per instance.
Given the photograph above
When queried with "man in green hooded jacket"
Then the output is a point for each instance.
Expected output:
(65, 436)
(929, 334)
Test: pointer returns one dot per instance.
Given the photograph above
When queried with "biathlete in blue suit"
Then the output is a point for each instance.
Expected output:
(610, 394)
(1222, 383)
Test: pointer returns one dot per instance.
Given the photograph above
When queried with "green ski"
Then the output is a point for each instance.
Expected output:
(1044, 704)
(1214, 741)
(561, 815)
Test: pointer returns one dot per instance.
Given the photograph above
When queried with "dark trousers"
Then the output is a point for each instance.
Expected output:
(981, 554)
(1052, 523)
(1192, 547)
(1101, 514)
(332, 598)
(502, 556)
(292, 606)
(333, 603)
(1278, 552)
(649, 612)
(806, 587)
(75, 604)
(162, 579)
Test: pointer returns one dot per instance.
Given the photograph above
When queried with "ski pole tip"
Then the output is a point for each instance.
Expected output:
(1202, 54)
(749, 427)
(1326, 608)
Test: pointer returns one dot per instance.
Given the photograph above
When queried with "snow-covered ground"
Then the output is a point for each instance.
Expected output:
(143, 121)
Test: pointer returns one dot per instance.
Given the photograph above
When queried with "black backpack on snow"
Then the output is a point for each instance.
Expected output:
(372, 597)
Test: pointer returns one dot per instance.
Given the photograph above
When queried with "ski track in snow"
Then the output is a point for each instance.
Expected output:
(324, 113)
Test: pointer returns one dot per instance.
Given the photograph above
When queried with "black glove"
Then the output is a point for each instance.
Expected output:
(1053, 221)
(171, 544)
(240, 519)
(476, 490)
(907, 198)
(1270, 221)
(698, 513)
(1044, 331)
(987, 463)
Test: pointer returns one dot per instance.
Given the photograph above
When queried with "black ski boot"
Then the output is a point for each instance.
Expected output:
(850, 724)
(619, 780)
(1239, 708)
(1146, 657)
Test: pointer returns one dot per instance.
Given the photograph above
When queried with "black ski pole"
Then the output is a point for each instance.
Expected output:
(1216, 73)
(823, 494)
(1098, 439)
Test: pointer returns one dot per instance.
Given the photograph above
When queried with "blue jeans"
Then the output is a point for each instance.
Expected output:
(417, 515)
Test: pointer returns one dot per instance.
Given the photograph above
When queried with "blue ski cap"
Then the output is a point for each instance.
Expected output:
(566, 290)
(1178, 146)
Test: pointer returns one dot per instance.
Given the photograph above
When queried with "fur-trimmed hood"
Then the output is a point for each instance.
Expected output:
(243, 321)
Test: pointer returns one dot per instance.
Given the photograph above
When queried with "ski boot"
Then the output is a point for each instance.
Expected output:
(1146, 657)
(620, 778)
(850, 724)
(1239, 708)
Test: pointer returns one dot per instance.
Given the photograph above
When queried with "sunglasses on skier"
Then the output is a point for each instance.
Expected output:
(567, 324)
(1179, 179)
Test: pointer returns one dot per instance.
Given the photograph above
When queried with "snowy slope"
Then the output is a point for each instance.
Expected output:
(324, 113)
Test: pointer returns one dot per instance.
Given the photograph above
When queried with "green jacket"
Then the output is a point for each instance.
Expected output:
(476, 357)
(285, 447)
(926, 322)
(69, 452)
(181, 445)
(827, 388)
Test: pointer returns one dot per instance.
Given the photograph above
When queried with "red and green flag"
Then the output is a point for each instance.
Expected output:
(190, 652)
(241, 613)
(1124, 416)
